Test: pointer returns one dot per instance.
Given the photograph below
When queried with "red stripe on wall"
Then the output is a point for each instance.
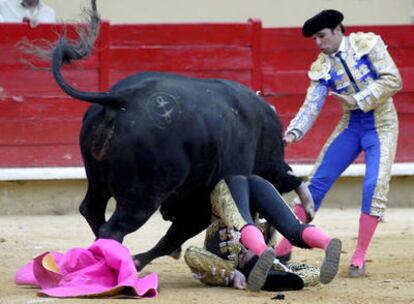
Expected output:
(182, 34)
(171, 58)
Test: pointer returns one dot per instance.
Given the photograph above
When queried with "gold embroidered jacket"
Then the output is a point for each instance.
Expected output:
(375, 79)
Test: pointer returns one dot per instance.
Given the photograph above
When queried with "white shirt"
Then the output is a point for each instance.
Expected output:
(342, 49)
(13, 11)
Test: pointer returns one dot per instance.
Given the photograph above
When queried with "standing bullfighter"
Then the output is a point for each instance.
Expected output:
(360, 73)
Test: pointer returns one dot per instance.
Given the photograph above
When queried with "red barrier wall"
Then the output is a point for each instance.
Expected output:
(39, 124)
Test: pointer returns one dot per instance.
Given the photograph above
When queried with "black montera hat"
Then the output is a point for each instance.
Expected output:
(325, 19)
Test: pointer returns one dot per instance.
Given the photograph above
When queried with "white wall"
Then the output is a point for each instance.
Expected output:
(273, 13)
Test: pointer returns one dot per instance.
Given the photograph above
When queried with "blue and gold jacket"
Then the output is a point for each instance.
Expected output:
(370, 76)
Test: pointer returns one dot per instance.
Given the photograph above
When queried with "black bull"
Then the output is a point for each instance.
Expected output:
(159, 140)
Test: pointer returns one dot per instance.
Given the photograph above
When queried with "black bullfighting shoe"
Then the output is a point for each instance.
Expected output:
(330, 263)
(282, 281)
(355, 271)
(260, 270)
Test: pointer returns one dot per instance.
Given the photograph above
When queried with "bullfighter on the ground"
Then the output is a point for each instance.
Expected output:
(233, 232)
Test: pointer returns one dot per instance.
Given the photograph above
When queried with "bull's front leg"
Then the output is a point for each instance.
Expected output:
(93, 207)
(180, 231)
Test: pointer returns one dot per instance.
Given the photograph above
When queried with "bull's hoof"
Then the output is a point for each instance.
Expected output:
(138, 264)
(176, 254)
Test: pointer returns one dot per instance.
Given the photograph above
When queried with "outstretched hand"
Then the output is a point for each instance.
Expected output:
(309, 210)
(306, 199)
(239, 280)
(348, 100)
(288, 139)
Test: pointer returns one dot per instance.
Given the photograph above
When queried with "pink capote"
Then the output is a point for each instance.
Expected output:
(106, 268)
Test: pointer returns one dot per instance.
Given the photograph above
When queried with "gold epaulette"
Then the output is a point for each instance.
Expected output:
(363, 43)
(320, 68)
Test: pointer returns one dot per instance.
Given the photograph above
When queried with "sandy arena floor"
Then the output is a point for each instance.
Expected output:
(390, 264)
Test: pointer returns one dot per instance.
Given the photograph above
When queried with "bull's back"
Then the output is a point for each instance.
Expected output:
(208, 128)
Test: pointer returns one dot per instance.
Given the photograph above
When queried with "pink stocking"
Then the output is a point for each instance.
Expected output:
(315, 238)
(252, 238)
(284, 247)
(367, 226)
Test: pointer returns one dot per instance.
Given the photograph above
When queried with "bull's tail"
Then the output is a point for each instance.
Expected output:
(60, 55)
(65, 52)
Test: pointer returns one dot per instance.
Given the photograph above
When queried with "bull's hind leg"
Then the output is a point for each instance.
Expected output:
(179, 232)
(94, 205)
(191, 216)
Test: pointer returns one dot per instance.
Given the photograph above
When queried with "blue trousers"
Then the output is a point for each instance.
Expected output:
(360, 135)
